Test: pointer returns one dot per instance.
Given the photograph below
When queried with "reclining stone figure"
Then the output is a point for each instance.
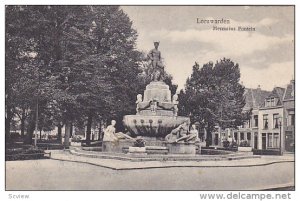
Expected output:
(110, 134)
(182, 134)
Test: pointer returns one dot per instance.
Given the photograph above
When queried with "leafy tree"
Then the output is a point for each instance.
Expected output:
(213, 96)
(32, 57)
(19, 47)
(102, 62)
(73, 64)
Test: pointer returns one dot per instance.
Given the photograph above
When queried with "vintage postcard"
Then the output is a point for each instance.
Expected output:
(156, 97)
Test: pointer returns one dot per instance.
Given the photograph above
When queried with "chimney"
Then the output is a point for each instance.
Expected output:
(258, 88)
(293, 81)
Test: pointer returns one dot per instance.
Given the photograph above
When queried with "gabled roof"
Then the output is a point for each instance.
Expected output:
(255, 97)
(277, 92)
(280, 92)
(290, 91)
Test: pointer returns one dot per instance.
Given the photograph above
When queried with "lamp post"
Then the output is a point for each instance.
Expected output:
(280, 126)
(37, 110)
(36, 123)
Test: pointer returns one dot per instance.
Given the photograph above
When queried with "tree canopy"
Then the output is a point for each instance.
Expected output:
(213, 96)
(79, 63)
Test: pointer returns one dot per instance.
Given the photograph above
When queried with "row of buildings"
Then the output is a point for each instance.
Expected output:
(272, 122)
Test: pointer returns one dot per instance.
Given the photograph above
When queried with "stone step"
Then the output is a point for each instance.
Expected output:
(157, 157)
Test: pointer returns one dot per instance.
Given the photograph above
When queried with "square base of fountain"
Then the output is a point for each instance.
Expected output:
(137, 151)
(182, 148)
(116, 147)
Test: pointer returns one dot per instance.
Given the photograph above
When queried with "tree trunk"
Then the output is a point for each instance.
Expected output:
(23, 118)
(8, 122)
(67, 134)
(7, 130)
(7, 126)
(71, 130)
(30, 128)
(59, 128)
(100, 132)
(89, 127)
(208, 139)
(22, 127)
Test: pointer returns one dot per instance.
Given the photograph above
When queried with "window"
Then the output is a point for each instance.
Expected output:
(291, 119)
(265, 121)
(255, 120)
(270, 102)
(235, 136)
(242, 137)
(275, 120)
(270, 140)
(273, 102)
(267, 102)
(248, 136)
(276, 140)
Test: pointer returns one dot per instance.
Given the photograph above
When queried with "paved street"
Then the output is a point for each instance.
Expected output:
(65, 175)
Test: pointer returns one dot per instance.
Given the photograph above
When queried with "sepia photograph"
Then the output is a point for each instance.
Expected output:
(150, 98)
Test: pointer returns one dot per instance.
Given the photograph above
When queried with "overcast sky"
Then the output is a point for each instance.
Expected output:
(265, 56)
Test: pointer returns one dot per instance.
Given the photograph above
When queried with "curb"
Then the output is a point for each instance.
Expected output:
(84, 162)
(274, 187)
(145, 159)
(174, 166)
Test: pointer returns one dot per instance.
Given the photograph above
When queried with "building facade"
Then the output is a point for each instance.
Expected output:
(289, 111)
(250, 130)
(272, 122)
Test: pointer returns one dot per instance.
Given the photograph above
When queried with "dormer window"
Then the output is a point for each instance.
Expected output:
(270, 102)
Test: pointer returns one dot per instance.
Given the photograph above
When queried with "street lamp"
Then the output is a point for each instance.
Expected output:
(36, 123)
(37, 110)
(280, 126)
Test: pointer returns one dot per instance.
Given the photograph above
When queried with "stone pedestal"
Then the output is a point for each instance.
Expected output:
(158, 90)
(116, 147)
(182, 148)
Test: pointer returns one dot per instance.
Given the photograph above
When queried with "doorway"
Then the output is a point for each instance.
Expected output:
(289, 142)
(264, 141)
(255, 141)
(216, 139)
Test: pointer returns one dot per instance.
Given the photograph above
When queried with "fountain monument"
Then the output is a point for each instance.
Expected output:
(156, 126)
(156, 112)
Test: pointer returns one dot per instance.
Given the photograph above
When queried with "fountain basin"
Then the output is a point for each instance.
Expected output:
(152, 125)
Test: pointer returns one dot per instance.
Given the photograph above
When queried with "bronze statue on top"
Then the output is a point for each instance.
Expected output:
(156, 63)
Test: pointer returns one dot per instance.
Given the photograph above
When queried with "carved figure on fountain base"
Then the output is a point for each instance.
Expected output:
(182, 134)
